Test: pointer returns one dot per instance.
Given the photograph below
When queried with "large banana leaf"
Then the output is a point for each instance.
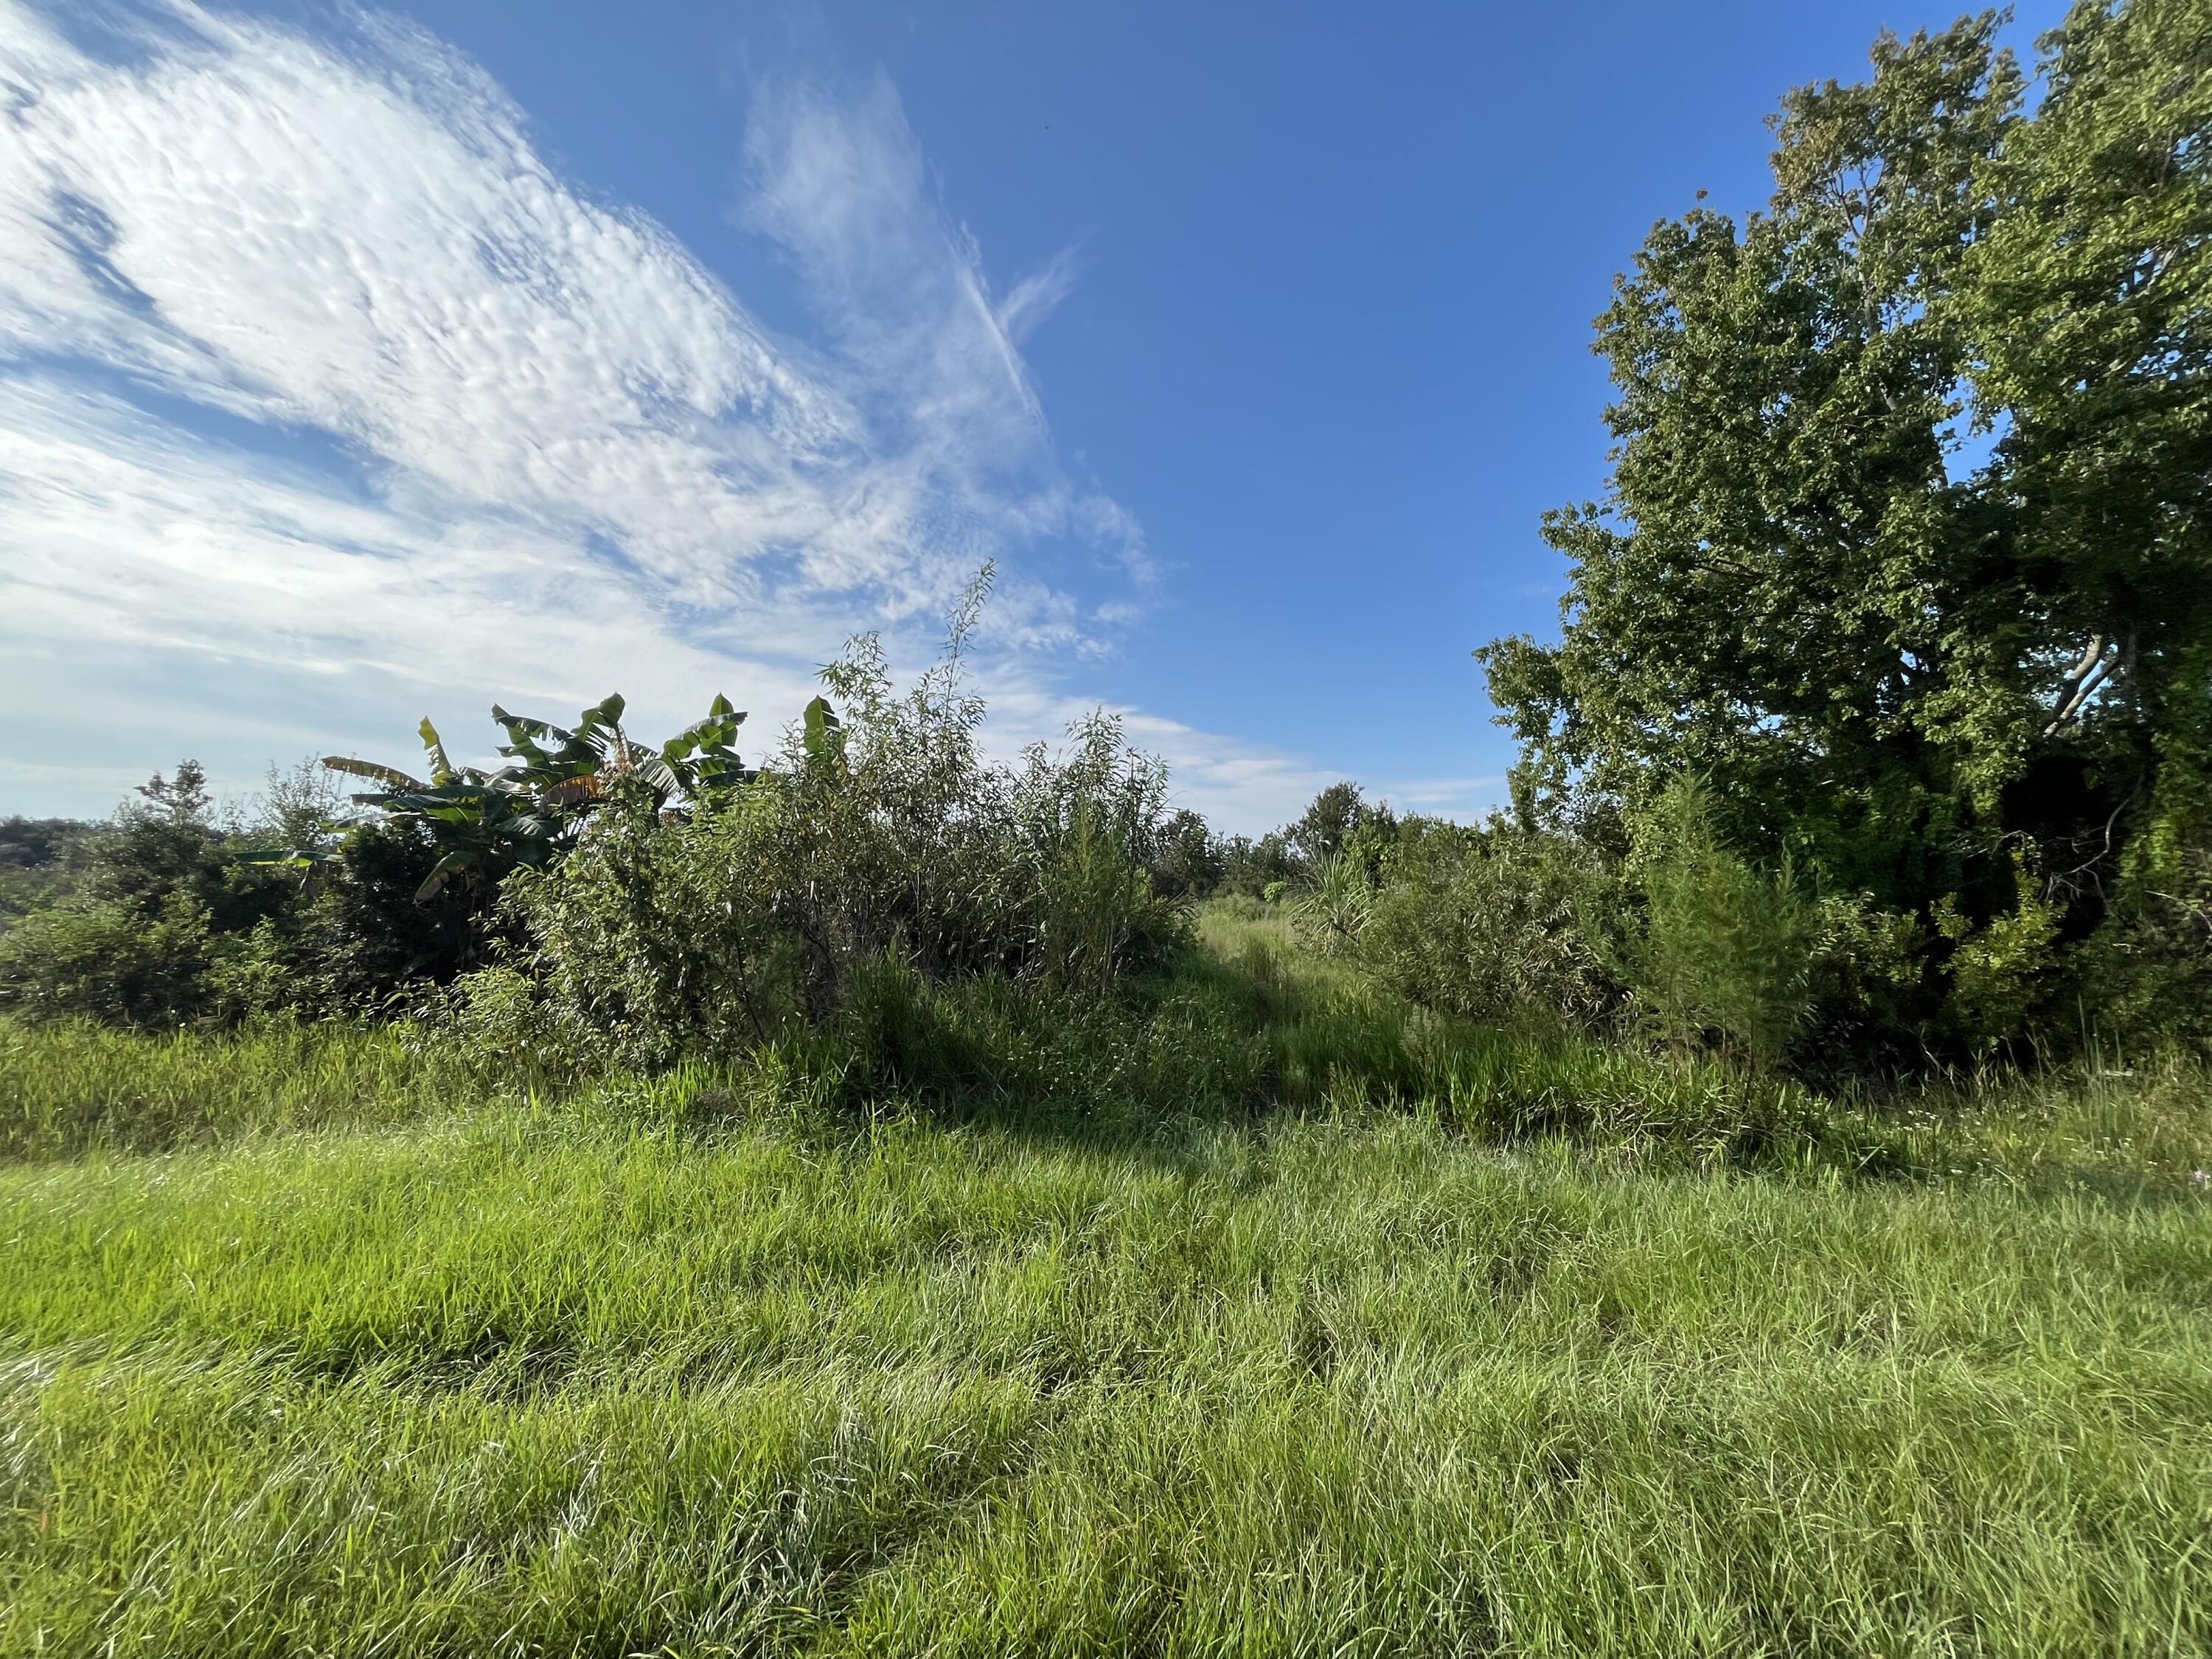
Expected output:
(389, 775)
(528, 812)
(441, 769)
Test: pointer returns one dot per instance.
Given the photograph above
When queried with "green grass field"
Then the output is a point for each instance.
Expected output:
(312, 1347)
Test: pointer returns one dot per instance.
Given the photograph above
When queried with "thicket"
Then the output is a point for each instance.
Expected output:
(173, 914)
(880, 843)
(1879, 732)
(40, 860)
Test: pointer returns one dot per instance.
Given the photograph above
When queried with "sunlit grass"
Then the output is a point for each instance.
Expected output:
(77, 1087)
(738, 1362)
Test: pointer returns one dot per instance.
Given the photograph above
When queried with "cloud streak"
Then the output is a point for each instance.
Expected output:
(324, 399)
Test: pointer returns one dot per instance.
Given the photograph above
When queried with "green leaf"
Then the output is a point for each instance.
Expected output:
(441, 769)
(391, 776)
(823, 732)
(441, 872)
(290, 859)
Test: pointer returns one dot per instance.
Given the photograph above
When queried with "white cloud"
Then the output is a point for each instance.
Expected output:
(324, 399)
(1035, 296)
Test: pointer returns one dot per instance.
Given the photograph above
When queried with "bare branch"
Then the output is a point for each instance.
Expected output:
(2079, 681)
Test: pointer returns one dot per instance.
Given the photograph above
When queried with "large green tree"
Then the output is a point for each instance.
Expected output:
(1903, 547)
(2089, 305)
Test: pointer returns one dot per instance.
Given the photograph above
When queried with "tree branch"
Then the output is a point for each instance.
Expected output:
(2084, 680)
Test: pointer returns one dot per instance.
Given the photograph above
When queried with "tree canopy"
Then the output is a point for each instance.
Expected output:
(1904, 547)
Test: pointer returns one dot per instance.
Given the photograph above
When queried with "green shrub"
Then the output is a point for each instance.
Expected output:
(142, 964)
(1333, 911)
(1260, 869)
(1496, 924)
(1866, 996)
(651, 940)
(1191, 860)
(1727, 949)
(175, 919)
(375, 935)
(2001, 973)
(1097, 915)
(42, 861)
(2146, 971)
(880, 832)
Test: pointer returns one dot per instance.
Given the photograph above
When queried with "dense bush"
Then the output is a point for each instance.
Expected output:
(176, 917)
(1967, 688)
(2146, 974)
(1190, 860)
(1668, 932)
(611, 901)
(880, 834)
(40, 862)
(136, 944)
(1725, 953)
(1255, 868)
(1496, 924)
(1337, 820)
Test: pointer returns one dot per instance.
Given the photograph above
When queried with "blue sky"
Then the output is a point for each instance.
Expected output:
(358, 364)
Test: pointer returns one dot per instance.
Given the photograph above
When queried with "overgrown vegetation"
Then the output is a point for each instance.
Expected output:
(600, 901)
(40, 860)
(1971, 709)
(880, 841)
(1750, 1197)
(73, 1088)
(167, 916)
(1043, 1335)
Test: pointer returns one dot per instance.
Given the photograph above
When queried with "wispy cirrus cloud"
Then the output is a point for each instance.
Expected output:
(324, 399)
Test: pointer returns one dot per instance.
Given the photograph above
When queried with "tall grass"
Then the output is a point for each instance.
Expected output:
(966, 1333)
(558, 1382)
(70, 1088)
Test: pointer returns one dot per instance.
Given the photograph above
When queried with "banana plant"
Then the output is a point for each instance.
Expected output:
(698, 761)
(483, 823)
(531, 811)
(823, 734)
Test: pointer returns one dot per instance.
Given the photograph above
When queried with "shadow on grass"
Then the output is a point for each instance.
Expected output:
(1241, 1039)
(1241, 1032)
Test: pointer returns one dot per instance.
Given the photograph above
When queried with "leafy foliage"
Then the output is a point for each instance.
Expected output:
(1325, 828)
(176, 919)
(526, 813)
(1190, 860)
(40, 860)
(1498, 924)
(1726, 949)
(1257, 868)
(1333, 911)
(879, 834)
(1952, 694)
